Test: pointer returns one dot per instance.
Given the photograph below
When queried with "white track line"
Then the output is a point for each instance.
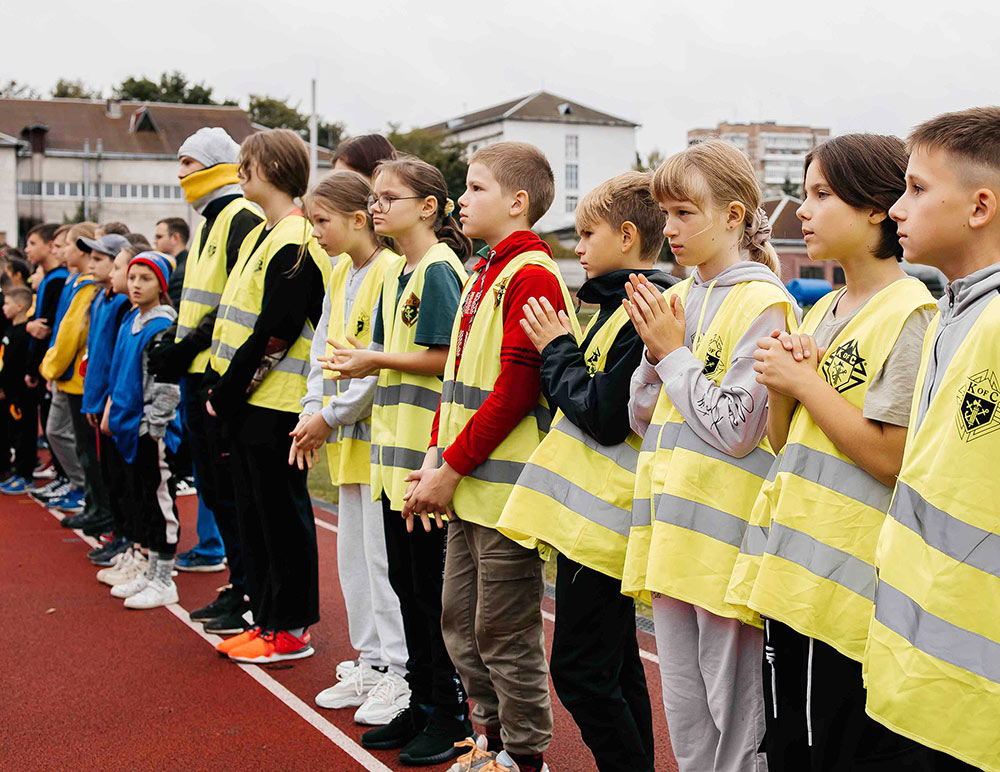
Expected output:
(258, 674)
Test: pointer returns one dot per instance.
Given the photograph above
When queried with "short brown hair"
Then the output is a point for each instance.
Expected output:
(364, 153)
(119, 228)
(19, 294)
(866, 171)
(972, 135)
(520, 166)
(282, 158)
(176, 226)
(61, 230)
(622, 199)
(46, 231)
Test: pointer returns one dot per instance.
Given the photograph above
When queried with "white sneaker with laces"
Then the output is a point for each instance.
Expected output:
(125, 571)
(118, 563)
(389, 697)
(352, 689)
(343, 668)
(131, 587)
(477, 757)
(155, 594)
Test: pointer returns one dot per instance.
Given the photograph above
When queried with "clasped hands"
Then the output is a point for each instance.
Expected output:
(786, 362)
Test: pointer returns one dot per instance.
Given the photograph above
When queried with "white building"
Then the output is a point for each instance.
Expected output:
(584, 146)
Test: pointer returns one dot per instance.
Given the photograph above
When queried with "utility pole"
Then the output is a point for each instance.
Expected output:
(313, 138)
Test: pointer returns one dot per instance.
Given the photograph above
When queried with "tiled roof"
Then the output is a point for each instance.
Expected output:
(540, 106)
(785, 225)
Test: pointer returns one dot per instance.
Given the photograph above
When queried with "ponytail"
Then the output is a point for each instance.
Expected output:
(448, 232)
(757, 241)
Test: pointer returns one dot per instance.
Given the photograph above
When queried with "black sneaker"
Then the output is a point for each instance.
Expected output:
(229, 600)
(97, 525)
(230, 623)
(80, 520)
(103, 554)
(398, 732)
(51, 491)
(436, 743)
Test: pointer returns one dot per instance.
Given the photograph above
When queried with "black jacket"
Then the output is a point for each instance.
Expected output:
(598, 405)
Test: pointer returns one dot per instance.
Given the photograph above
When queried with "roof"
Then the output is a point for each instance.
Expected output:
(162, 126)
(540, 106)
(785, 225)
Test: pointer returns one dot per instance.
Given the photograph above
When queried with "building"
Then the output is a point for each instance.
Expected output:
(584, 146)
(776, 151)
(101, 160)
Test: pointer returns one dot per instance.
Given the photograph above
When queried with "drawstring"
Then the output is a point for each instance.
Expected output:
(809, 695)
(769, 656)
(701, 317)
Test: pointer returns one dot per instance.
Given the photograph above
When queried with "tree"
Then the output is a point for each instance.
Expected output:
(653, 161)
(172, 87)
(790, 188)
(278, 114)
(438, 149)
(14, 90)
(74, 89)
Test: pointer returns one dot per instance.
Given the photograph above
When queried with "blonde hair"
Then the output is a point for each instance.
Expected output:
(715, 172)
(622, 199)
(81, 230)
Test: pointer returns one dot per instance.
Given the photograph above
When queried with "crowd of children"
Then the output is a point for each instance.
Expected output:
(805, 502)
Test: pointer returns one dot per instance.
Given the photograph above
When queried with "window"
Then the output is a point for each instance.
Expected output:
(123, 191)
(812, 272)
(156, 191)
(107, 190)
(572, 176)
(572, 146)
(135, 191)
(50, 188)
(473, 148)
(178, 191)
(31, 188)
(62, 188)
(74, 188)
(144, 191)
(94, 192)
(571, 202)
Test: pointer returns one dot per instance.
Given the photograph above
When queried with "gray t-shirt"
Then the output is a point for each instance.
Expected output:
(890, 392)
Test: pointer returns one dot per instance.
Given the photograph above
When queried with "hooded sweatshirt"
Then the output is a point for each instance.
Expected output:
(730, 416)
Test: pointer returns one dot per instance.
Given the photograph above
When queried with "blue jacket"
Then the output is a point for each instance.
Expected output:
(105, 318)
(74, 283)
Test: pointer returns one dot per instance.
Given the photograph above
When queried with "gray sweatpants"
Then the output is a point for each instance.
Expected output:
(62, 438)
(710, 669)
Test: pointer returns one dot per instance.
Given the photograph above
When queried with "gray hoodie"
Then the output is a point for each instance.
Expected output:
(960, 306)
(160, 400)
(731, 416)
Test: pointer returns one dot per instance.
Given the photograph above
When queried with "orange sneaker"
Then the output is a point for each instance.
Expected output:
(271, 647)
(227, 645)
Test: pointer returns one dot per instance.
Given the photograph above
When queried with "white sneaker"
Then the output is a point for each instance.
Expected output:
(389, 697)
(111, 574)
(505, 762)
(345, 667)
(476, 758)
(127, 569)
(128, 589)
(153, 595)
(352, 689)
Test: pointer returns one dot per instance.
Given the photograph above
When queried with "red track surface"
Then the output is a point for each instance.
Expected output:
(92, 685)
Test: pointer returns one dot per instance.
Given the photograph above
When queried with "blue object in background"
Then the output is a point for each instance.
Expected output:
(807, 291)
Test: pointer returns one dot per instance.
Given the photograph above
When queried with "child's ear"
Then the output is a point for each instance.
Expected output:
(629, 235)
(736, 214)
(876, 216)
(520, 205)
(360, 220)
(985, 208)
(429, 209)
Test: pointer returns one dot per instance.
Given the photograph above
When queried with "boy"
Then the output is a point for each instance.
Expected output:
(491, 418)
(931, 664)
(556, 505)
(14, 391)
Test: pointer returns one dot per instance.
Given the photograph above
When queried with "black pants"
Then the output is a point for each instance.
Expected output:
(23, 422)
(208, 440)
(844, 737)
(116, 479)
(95, 492)
(151, 487)
(277, 529)
(597, 671)
(416, 574)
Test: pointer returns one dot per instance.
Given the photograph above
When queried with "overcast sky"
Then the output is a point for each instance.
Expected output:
(847, 65)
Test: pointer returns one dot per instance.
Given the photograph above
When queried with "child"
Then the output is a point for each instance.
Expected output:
(257, 377)
(337, 413)
(696, 400)
(14, 392)
(840, 420)
(931, 664)
(18, 271)
(141, 415)
(363, 154)
(413, 322)
(492, 417)
(575, 493)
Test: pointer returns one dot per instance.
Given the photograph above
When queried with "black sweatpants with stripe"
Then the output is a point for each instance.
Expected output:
(151, 487)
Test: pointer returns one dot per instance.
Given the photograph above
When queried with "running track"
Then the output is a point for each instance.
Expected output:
(92, 685)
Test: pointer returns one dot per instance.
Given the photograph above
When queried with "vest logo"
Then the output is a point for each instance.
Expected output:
(359, 328)
(498, 292)
(592, 361)
(845, 368)
(260, 264)
(410, 310)
(210, 250)
(713, 357)
(977, 406)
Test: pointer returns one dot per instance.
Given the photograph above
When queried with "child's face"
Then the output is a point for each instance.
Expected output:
(697, 233)
(484, 209)
(251, 181)
(119, 273)
(74, 257)
(600, 249)
(36, 277)
(332, 230)
(403, 213)
(37, 249)
(832, 228)
(143, 286)
(100, 266)
(12, 308)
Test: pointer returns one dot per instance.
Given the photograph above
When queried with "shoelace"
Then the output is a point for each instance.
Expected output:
(494, 766)
(474, 754)
(386, 690)
(355, 678)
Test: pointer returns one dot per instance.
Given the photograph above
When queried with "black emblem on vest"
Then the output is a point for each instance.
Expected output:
(592, 362)
(362, 323)
(210, 250)
(498, 292)
(713, 357)
(410, 310)
(977, 406)
(845, 368)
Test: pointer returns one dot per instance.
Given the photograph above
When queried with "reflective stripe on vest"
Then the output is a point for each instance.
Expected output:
(205, 275)
(575, 495)
(481, 495)
(824, 513)
(348, 448)
(285, 385)
(405, 403)
(932, 663)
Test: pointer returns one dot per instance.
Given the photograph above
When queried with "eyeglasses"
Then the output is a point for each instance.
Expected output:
(385, 201)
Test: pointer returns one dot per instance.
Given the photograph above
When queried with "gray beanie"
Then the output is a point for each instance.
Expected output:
(211, 146)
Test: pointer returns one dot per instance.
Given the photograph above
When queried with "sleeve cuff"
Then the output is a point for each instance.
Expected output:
(458, 459)
(330, 416)
(647, 372)
(674, 362)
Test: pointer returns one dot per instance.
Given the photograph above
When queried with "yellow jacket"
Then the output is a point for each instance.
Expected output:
(69, 347)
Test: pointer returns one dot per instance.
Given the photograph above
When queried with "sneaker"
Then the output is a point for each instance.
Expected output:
(15, 486)
(197, 563)
(185, 487)
(230, 623)
(437, 743)
(385, 701)
(270, 647)
(504, 763)
(125, 568)
(132, 587)
(229, 600)
(343, 668)
(476, 758)
(44, 470)
(226, 646)
(97, 525)
(351, 689)
(72, 502)
(397, 733)
(155, 594)
(56, 489)
(106, 553)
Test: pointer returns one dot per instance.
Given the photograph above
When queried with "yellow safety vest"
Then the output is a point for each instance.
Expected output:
(933, 658)
(701, 509)
(239, 307)
(481, 495)
(405, 403)
(205, 274)
(815, 523)
(574, 494)
(348, 448)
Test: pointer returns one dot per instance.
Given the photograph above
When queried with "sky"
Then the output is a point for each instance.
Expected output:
(848, 65)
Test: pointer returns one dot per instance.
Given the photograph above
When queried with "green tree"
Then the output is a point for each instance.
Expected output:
(14, 90)
(790, 188)
(74, 89)
(172, 87)
(436, 148)
(276, 113)
(652, 163)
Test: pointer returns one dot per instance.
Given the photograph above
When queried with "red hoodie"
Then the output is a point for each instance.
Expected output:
(518, 385)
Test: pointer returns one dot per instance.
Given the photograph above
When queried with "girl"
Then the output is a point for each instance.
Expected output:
(840, 395)
(412, 330)
(141, 416)
(703, 415)
(256, 378)
(337, 412)
(363, 154)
